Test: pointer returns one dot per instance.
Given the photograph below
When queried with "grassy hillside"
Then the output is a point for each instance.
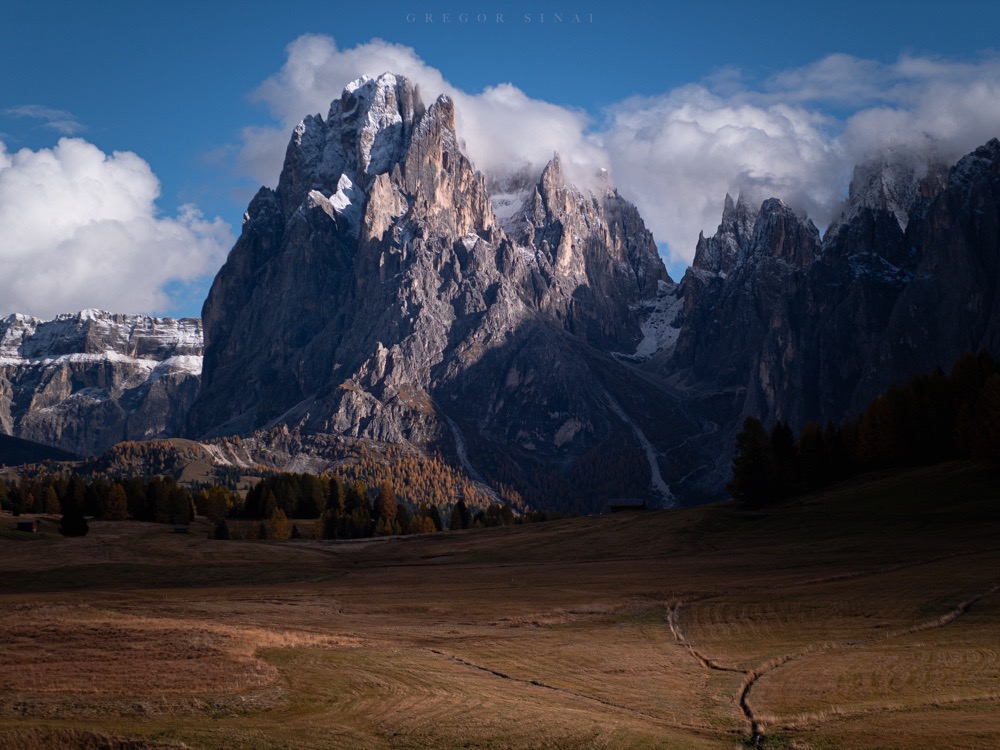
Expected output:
(865, 617)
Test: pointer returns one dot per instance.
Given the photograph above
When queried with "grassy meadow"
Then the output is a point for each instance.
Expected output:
(867, 616)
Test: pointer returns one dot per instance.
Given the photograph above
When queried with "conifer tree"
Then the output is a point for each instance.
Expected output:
(403, 518)
(385, 506)
(138, 504)
(280, 528)
(331, 524)
(461, 518)
(158, 500)
(50, 502)
(181, 510)
(270, 503)
(114, 503)
(435, 515)
(786, 461)
(313, 497)
(814, 461)
(75, 494)
(357, 497)
(74, 522)
(984, 440)
(753, 465)
(337, 496)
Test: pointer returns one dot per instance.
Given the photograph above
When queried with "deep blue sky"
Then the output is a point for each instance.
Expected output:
(170, 80)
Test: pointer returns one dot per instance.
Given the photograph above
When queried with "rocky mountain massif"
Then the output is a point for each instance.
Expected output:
(385, 291)
(86, 381)
(377, 294)
(780, 325)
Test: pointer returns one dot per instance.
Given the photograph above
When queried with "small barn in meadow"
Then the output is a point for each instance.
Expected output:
(27, 524)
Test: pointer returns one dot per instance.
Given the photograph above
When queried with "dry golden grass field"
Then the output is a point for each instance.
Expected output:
(865, 617)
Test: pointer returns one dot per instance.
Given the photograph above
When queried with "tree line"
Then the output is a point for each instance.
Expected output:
(351, 511)
(933, 417)
(158, 499)
(343, 511)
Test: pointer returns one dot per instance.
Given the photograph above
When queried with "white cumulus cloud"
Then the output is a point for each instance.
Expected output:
(502, 127)
(676, 156)
(796, 135)
(79, 228)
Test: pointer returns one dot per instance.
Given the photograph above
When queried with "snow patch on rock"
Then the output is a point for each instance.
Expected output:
(509, 207)
(662, 327)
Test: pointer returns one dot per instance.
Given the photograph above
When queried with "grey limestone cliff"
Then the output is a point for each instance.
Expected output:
(85, 381)
(375, 294)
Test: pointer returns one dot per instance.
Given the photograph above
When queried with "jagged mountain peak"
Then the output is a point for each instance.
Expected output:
(742, 213)
(555, 178)
(557, 195)
(552, 172)
(894, 182)
(735, 211)
(366, 133)
(719, 253)
(377, 114)
(984, 161)
(383, 300)
(779, 232)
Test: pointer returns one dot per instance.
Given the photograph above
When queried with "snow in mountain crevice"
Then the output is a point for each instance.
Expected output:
(661, 328)
(507, 207)
(658, 486)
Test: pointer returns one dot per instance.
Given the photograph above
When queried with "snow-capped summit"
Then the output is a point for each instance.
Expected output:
(366, 132)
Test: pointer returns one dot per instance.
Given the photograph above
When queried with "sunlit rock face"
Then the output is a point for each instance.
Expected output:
(380, 292)
(527, 328)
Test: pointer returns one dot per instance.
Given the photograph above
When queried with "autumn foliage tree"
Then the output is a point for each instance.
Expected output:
(280, 529)
(114, 503)
(386, 511)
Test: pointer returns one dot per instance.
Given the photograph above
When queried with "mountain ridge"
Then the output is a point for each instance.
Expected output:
(386, 291)
(444, 329)
(83, 381)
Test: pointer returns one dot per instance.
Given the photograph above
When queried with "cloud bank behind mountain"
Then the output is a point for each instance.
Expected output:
(796, 134)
